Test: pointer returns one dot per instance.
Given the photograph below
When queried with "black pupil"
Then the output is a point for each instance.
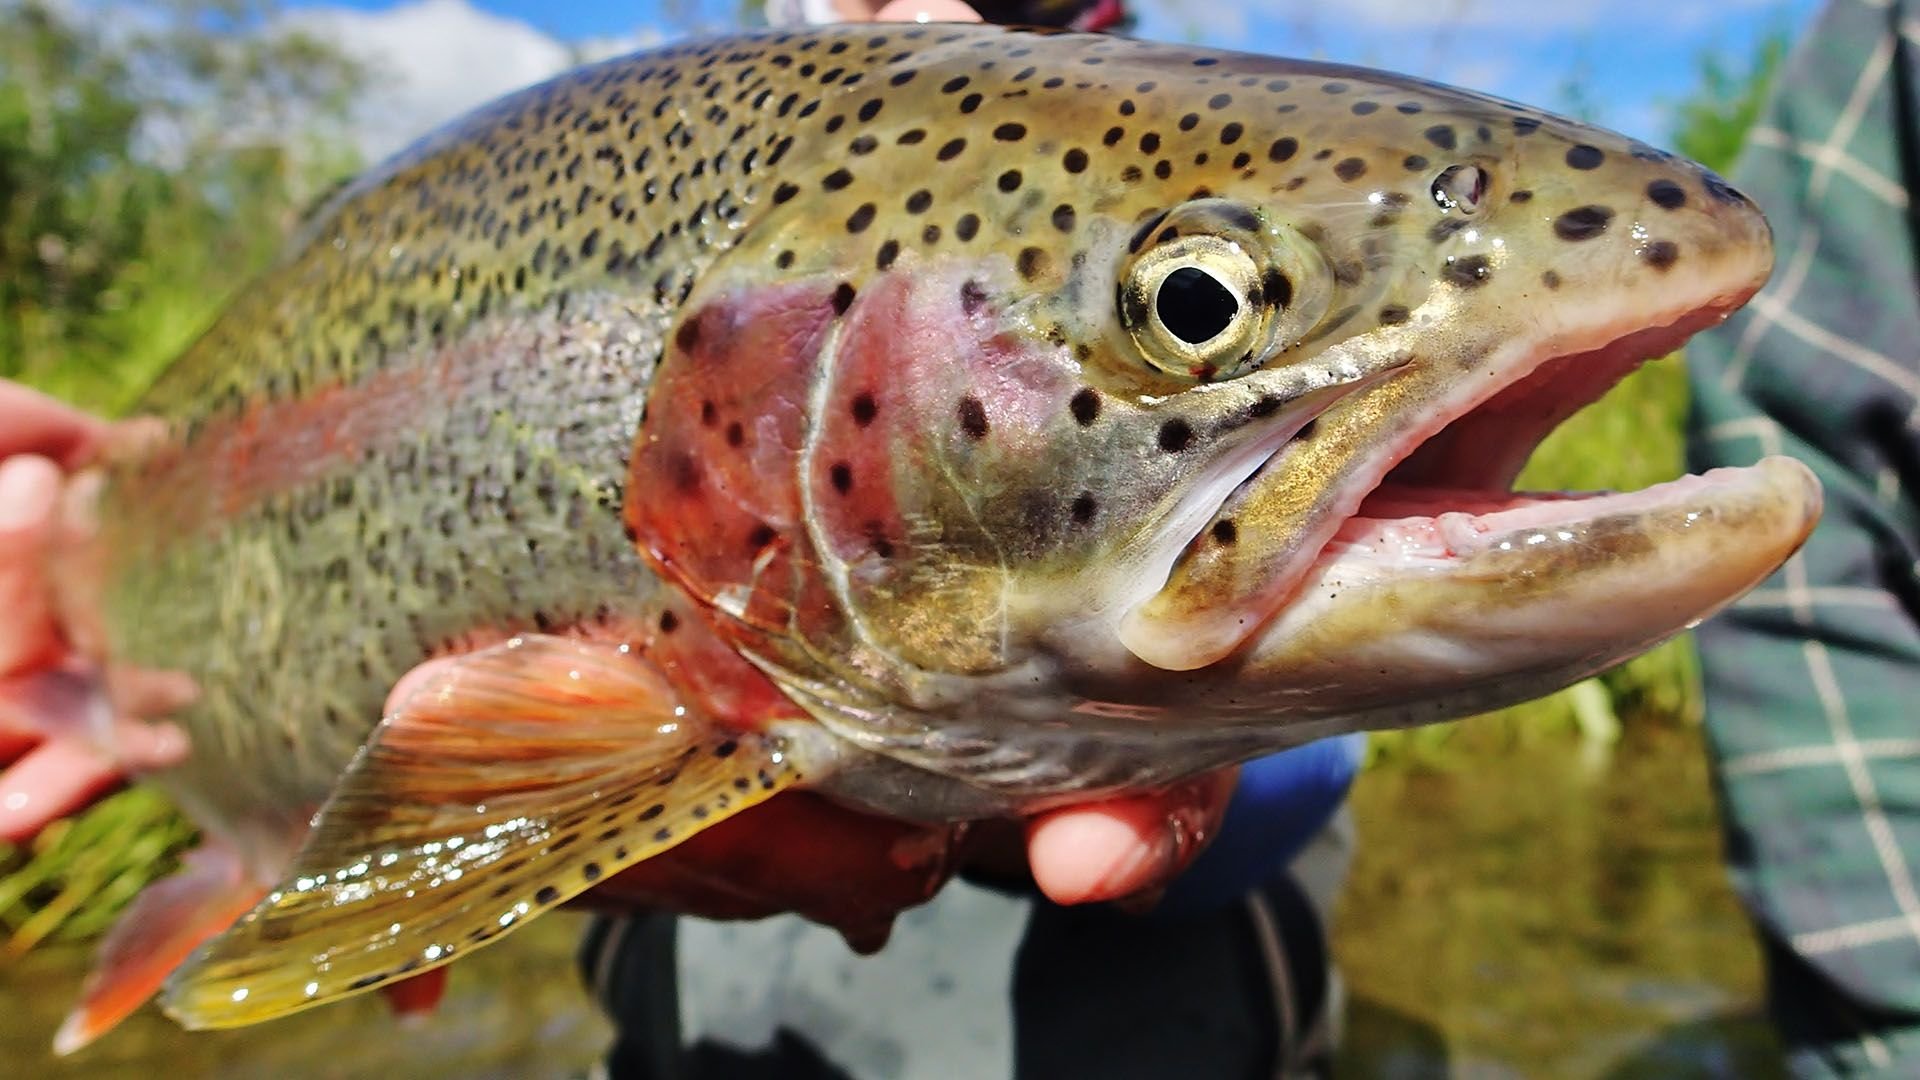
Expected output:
(1194, 306)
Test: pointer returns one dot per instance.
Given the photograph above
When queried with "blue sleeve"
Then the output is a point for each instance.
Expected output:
(1281, 802)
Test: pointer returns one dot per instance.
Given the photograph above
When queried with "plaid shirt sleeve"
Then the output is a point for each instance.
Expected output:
(1813, 681)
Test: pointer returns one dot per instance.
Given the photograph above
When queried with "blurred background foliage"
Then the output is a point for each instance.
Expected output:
(149, 168)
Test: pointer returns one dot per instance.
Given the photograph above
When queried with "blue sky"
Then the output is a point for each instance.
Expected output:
(1630, 58)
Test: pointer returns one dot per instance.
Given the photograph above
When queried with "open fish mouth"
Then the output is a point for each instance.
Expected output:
(1449, 492)
(1448, 588)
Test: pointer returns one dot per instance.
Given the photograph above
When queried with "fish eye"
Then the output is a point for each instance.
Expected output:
(1462, 188)
(1191, 305)
(1214, 288)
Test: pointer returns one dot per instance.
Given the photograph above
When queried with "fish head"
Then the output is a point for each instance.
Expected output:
(1094, 351)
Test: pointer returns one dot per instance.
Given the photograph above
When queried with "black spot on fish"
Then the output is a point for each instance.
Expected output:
(688, 335)
(842, 477)
(1075, 161)
(973, 418)
(967, 226)
(1175, 435)
(1393, 315)
(1032, 262)
(951, 149)
(1084, 507)
(1667, 195)
(1225, 532)
(1085, 405)
(591, 871)
(1063, 216)
(762, 535)
(842, 298)
(1276, 289)
(1442, 136)
(1010, 132)
(889, 251)
(1582, 223)
(1661, 254)
(726, 749)
(1283, 148)
(1350, 169)
(972, 296)
(547, 895)
(1551, 279)
(861, 217)
(1413, 163)
(864, 409)
(669, 622)
(1585, 157)
(919, 201)
(1467, 271)
(736, 435)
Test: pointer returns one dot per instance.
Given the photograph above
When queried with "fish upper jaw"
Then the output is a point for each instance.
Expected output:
(1447, 436)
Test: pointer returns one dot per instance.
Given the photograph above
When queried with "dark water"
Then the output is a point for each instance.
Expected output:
(1519, 911)
(1542, 911)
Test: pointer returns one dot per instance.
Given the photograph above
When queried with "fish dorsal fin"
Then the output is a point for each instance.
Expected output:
(511, 781)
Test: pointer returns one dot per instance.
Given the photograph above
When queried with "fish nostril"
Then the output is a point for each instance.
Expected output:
(1462, 188)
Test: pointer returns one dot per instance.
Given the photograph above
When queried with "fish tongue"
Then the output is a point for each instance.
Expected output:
(508, 783)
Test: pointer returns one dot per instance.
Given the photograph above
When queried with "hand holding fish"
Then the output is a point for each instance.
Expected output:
(51, 768)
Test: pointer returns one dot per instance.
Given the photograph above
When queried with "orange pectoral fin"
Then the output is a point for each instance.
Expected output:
(511, 780)
(169, 920)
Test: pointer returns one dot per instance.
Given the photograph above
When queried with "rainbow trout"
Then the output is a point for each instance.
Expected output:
(954, 420)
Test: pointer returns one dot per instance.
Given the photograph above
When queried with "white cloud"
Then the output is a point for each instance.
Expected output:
(429, 61)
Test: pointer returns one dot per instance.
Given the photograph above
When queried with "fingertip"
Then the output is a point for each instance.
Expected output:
(926, 11)
(1085, 855)
(29, 487)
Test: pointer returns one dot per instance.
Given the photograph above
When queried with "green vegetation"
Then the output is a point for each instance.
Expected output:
(144, 178)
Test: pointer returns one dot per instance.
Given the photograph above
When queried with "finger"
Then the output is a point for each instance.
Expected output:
(29, 492)
(926, 11)
(49, 783)
(33, 423)
(141, 746)
(1127, 846)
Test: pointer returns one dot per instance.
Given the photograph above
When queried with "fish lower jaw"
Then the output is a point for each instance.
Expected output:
(1487, 600)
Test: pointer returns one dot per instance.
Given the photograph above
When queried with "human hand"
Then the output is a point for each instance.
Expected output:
(48, 766)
